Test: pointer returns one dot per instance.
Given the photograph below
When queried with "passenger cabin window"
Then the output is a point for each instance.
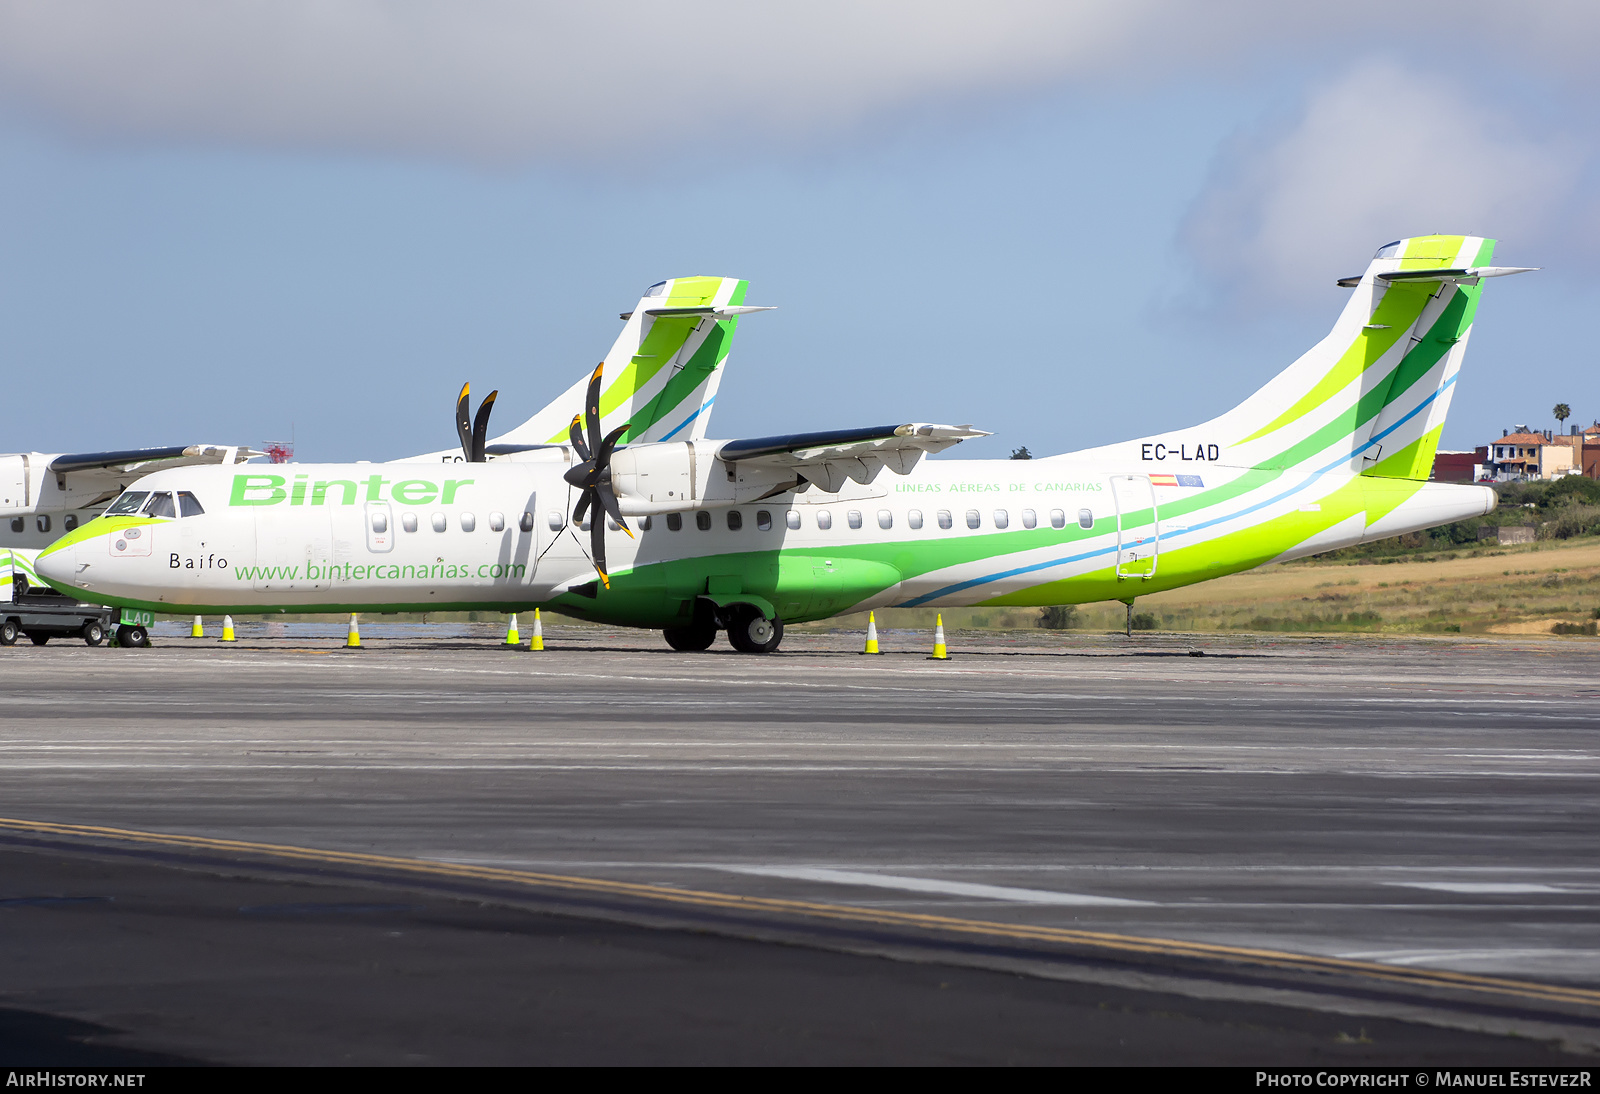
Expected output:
(611, 525)
(1058, 519)
(1002, 518)
(70, 521)
(792, 519)
(1085, 518)
(824, 519)
(189, 505)
(440, 522)
(674, 522)
(646, 523)
(468, 522)
(702, 521)
(974, 519)
(854, 518)
(1030, 519)
(735, 520)
(556, 519)
(497, 522)
(380, 522)
(885, 519)
(408, 521)
(763, 521)
(525, 522)
(944, 520)
(588, 519)
(18, 524)
(44, 519)
(160, 505)
(129, 502)
(914, 518)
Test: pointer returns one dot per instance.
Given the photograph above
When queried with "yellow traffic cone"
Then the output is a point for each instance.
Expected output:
(939, 653)
(227, 628)
(195, 630)
(513, 639)
(353, 639)
(872, 634)
(537, 641)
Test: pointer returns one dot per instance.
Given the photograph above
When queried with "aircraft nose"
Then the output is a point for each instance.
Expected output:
(58, 565)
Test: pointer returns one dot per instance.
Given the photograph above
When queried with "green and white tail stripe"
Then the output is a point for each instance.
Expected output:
(662, 373)
(1377, 388)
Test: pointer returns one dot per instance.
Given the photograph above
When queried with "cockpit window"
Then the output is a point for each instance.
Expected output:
(160, 505)
(129, 502)
(657, 289)
(189, 505)
(1389, 250)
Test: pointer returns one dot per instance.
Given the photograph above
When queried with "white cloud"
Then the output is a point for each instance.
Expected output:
(1383, 152)
(515, 80)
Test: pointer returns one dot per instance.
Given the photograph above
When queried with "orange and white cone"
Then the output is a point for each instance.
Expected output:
(196, 630)
(227, 629)
(939, 652)
(513, 639)
(537, 641)
(352, 639)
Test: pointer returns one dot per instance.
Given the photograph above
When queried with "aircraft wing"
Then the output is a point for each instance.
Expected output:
(832, 457)
(149, 459)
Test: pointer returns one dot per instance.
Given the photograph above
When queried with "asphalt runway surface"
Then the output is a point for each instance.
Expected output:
(1051, 848)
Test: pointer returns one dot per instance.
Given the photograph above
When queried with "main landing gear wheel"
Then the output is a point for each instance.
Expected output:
(38, 639)
(132, 637)
(93, 633)
(690, 639)
(9, 632)
(752, 632)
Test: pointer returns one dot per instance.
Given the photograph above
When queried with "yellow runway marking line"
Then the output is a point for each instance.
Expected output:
(1169, 947)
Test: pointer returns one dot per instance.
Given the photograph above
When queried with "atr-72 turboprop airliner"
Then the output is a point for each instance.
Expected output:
(693, 536)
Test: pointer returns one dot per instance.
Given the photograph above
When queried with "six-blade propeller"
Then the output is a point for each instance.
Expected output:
(593, 475)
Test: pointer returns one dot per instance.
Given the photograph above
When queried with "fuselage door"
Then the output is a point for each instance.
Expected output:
(380, 527)
(1138, 526)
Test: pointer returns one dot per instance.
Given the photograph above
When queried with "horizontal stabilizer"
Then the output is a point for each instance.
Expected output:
(724, 312)
(1468, 276)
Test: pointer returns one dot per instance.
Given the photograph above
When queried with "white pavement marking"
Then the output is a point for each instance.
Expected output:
(1484, 887)
(928, 885)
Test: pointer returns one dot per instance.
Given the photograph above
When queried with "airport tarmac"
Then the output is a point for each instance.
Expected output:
(1394, 833)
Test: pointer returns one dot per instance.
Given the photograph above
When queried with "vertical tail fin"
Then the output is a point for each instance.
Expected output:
(1374, 393)
(663, 371)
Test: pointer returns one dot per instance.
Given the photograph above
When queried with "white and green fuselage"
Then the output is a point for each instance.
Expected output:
(1335, 451)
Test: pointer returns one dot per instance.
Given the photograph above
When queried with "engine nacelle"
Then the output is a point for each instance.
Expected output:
(671, 477)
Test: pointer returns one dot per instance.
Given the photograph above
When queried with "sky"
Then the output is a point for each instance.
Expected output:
(240, 221)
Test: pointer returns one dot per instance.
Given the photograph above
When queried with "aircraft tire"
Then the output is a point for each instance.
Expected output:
(752, 632)
(38, 639)
(131, 637)
(9, 632)
(93, 633)
(690, 639)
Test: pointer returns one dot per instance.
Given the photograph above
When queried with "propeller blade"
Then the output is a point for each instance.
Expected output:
(604, 458)
(597, 547)
(578, 444)
(463, 423)
(608, 501)
(582, 507)
(591, 408)
(480, 429)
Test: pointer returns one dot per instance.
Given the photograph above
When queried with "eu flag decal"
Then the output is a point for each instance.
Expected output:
(1190, 480)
